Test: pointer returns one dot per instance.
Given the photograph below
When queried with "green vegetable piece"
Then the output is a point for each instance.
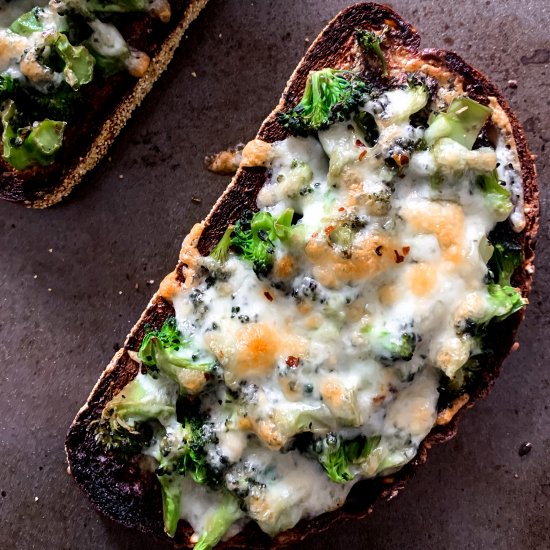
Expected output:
(329, 97)
(27, 23)
(171, 499)
(462, 122)
(30, 146)
(370, 42)
(342, 237)
(183, 452)
(497, 197)
(390, 346)
(221, 251)
(254, 238)
(60, 104)
(122, 425)
(503, 302)
(218, 522)
(7, 84)
(337, 456)
(79, 62)
(168, 351)
(107, 66)
(506, 258)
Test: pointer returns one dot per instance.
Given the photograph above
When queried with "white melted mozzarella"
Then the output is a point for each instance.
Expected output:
(380, 259)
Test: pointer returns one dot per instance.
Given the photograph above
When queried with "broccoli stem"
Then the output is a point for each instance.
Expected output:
(171, 498)
(218, 522)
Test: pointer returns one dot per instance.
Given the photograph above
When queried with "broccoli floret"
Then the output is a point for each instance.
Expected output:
(370, 42)
(183, 452)
(462, 122)
(221, 251)
(28, 23)
(506, 258)
(167, 350)
(218, 522)
(6, 84)
(390, 346)
(30, 145)
(503, 301)
(329, 97)
(337, 455)
(123, 427)
(61, 104)
(497, 197)
(78, 61)
(254, 237)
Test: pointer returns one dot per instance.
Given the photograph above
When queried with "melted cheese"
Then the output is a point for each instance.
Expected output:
(311, 347)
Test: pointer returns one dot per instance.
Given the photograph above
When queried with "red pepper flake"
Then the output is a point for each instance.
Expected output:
(362, 154)
(398, 257)
(406, 250)
(359, 143)
(292, 361)
(341, 209)
(378, 250)
(329, 230)
(268, 296)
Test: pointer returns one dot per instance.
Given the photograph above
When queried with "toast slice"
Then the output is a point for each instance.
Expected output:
(106, 106)
(127, 493)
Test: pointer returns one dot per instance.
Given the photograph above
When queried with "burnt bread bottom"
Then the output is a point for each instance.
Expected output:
(124, 491)
(104, 109)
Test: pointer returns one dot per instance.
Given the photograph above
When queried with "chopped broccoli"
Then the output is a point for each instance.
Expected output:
(503, 301)
(390, 346)
(254, 237)
(183, 452)
(30, 145)
(497, 197)
(28, 23)
(218, 522)
(61, 104)
(370, 42)
(171, 490)
(123, 425)
(167, 350)
(6, 84)
(221, 251)
(337, 455)
(506, 258)
(78, 61)
(462, 122)
(329, 97)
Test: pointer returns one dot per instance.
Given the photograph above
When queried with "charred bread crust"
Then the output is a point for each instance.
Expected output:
(132, 497)
(87, 142)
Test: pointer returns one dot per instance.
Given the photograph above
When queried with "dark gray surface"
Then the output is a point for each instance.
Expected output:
(73, 280)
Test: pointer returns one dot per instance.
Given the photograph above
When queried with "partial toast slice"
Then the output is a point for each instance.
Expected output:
(107, 106)
(127, 494)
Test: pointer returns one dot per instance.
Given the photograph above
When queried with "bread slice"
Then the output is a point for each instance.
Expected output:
(121, 490)
(87, 142)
